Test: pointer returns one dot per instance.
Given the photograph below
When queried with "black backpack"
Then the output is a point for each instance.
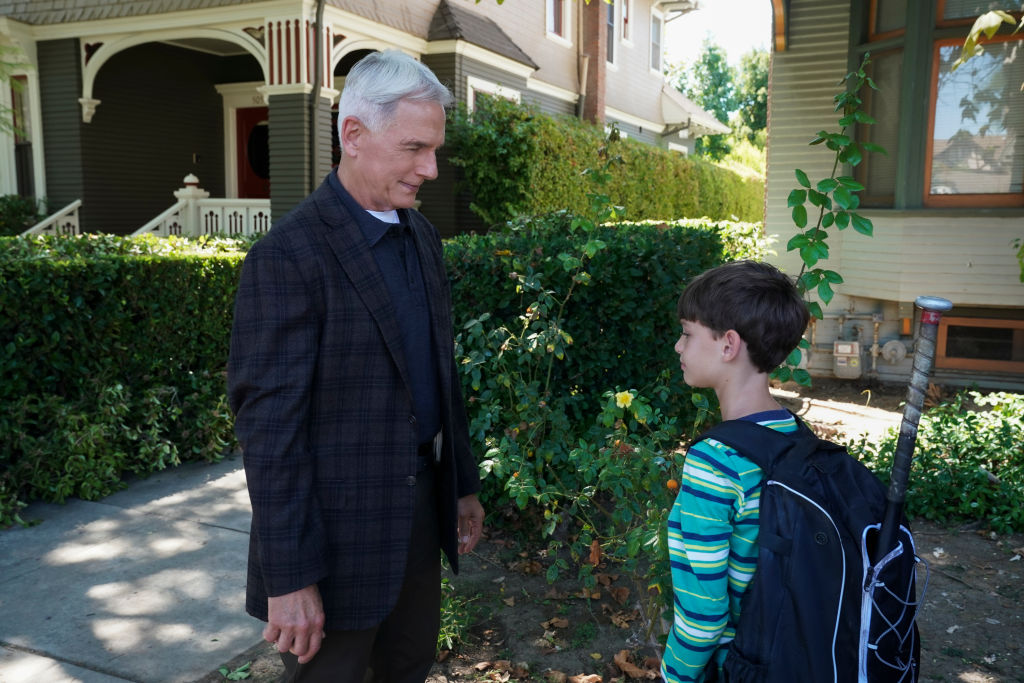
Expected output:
(816, 609)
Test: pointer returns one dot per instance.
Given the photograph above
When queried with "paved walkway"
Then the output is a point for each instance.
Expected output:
(146, 585)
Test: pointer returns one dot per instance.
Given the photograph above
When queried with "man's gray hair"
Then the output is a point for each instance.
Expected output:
(379, 81)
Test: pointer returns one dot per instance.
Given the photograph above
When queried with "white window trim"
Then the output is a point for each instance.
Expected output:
(475, 85)
(655, 15)
(616, 33)
(565, 40)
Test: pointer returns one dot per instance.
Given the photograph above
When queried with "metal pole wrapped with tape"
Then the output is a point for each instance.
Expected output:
(932, 308)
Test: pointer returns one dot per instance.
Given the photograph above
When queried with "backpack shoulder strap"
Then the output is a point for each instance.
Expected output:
(762, 445)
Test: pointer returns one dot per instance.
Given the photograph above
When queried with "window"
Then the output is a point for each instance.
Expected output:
(657, 26)
(627, 16)
(556, 18)
(980, 344)
(976, 132)
(23, 167)
(478, 86)
(610, 22)
(954, 138)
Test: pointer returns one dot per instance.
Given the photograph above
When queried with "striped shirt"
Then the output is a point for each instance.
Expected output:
(712, 545)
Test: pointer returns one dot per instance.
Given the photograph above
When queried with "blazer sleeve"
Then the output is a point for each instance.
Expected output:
(274, 346)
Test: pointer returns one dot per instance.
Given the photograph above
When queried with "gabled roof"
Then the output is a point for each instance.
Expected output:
(455, 23)
(68, 11)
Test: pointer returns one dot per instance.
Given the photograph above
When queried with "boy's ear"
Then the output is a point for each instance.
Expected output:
(732, 343)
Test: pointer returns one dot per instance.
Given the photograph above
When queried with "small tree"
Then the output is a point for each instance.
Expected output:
(752, 97)
(711, 83)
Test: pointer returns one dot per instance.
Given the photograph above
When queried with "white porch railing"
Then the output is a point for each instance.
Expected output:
(195, 213)
(64, 222)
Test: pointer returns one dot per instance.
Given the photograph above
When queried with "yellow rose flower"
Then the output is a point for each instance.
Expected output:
(624, 399)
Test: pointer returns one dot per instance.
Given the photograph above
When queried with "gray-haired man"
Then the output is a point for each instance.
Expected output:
(347, 401)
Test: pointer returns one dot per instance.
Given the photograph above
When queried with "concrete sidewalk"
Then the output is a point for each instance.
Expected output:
(146, 585)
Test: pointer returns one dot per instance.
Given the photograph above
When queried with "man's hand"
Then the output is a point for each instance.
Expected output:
(296, 622)
(471, 523)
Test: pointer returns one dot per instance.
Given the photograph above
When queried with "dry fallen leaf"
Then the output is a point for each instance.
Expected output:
(584, 593)
(620, 593)
(555, 677)
(595, 553)
(555, 622)
(511, 602)
(482, 666)
(555, 594)
(585, 678)
(443, 655)
(630, 669)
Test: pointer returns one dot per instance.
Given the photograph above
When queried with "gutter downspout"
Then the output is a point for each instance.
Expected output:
(314, 101)
(582, 62)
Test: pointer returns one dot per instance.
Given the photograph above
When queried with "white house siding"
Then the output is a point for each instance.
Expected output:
(631, 85)
(966, 258)
(800, 103)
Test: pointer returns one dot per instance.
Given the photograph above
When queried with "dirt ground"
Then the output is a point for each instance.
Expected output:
(971, 620)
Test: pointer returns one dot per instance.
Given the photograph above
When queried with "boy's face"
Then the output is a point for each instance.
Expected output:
(699, 352)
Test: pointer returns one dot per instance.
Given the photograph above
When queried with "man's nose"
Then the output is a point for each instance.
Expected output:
(428, 166)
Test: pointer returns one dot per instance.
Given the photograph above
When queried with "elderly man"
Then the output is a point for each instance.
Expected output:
(347, 402)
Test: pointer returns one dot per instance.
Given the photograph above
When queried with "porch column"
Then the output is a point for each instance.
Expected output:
(300, 145)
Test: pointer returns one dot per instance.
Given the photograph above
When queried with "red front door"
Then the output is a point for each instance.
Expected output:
(253, 152)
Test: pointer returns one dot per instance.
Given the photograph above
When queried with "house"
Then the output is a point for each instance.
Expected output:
(124, 98)
(947, 202)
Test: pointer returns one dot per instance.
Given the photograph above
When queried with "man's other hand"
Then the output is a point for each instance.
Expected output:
(471, 523)
(296, 622)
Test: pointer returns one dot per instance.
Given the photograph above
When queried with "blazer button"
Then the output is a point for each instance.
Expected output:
(411, 481)
(412, 419)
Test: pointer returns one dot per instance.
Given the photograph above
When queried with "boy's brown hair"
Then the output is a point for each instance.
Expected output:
(753, 298)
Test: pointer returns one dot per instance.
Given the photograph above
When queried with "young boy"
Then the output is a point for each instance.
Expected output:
(740, 321)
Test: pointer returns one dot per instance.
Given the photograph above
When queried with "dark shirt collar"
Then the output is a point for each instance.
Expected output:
(373, 228)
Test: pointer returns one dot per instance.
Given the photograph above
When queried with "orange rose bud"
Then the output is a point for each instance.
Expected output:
(672, 485)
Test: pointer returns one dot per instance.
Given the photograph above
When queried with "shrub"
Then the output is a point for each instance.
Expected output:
(18, 214)
(968, 463)
(113, 358)
(516, 161)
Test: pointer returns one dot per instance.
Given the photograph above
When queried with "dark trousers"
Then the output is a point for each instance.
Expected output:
(400, 649)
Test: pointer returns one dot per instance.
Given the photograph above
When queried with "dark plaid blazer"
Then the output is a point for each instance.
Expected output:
(324, 414)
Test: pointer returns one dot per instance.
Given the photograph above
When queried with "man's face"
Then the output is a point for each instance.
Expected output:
(385, 168)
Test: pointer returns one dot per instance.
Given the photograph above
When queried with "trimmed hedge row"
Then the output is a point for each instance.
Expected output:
(517, 161)
(113, 349)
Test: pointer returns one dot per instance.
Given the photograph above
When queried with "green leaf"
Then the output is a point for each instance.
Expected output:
(819, 199)
(863, 117)
(802, 178)
(796, 241)
(802, 377)
(828, 184)
(794, 357)
(815, 308)
(842, 197)
(832, 276)
(850, 183)
(842, 219)
(827, 220)
(872, 147)
(851, 155)
(796, 198)
(862, 225)
(825, 292)
(800, 216)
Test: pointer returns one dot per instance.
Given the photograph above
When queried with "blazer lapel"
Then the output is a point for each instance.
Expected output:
(432, 266)
(350, 248)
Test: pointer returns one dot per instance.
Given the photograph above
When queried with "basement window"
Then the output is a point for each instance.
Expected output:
(980, 344)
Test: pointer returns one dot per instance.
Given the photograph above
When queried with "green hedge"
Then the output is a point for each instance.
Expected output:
(113, 349)
(516, 161)
(112, 354)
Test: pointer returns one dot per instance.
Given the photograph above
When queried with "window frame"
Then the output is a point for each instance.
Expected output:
(966, 200)
(475, 84)
(612, 32)
(565, 37)
(626, 22)
(960, 363)
(660, 19)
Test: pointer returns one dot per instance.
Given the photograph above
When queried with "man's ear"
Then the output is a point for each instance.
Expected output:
(732, 343)
(352, 132)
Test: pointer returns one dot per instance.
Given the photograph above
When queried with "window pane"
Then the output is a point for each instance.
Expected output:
(985, 343)
(656, 43)
(978, 138)
(555, 16)
(890, 15)
(964, 9)
(878, 171)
